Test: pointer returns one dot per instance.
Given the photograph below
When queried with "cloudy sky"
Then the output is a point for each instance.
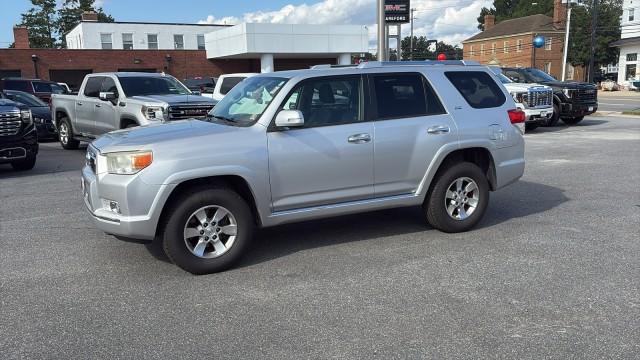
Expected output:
(447, 20)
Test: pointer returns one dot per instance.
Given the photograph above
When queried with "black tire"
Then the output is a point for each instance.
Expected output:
(573, 120)
(180, 212)
(530, 126)
(24, 165)
(555, 117)
(67, 142)
(435, 207)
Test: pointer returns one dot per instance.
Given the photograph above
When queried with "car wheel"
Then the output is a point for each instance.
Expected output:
(553, 120)
(573, 120)
(24, 165)
(458, 199)
(65, 135)
(530, 127)
(208, 230)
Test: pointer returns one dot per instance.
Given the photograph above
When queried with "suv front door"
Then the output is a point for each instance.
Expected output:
(330, 159)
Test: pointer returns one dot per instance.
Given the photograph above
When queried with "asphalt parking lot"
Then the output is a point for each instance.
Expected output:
(618, 101)
(553, 271)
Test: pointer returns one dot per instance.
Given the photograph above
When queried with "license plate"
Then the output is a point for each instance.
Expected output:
(590, 108)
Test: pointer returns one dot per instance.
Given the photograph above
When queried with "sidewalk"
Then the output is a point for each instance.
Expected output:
(620, 94)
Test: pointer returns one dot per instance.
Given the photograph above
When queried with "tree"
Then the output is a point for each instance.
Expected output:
(510, 9)
(421, 52)
(39, 21)
(71, 14)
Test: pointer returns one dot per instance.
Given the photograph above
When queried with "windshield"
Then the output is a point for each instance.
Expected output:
(504, 79)
(26, 99)
(539, 75)
(246, 102)
(42, 87)
(147, 85)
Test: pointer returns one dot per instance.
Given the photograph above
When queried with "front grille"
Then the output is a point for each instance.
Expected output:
(587, 95)
(189, 112)
(539, 98)
(10, 123)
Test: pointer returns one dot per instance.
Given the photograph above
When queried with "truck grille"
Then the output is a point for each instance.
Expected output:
(587, 95)
(539, 98)
(10, 123)
(189, 112)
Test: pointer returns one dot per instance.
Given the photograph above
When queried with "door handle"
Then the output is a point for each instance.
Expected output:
(79, 103)
(98, 105)
(438, 129)
(359, 138)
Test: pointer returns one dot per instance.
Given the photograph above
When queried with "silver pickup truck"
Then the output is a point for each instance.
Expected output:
(113, 101)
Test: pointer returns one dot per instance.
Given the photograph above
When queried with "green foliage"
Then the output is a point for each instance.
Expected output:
(39, 21)
(48, 24)
(421, 52)
(510, 9)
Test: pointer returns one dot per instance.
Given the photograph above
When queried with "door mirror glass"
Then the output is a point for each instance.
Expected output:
(108, 96)
(290, 118)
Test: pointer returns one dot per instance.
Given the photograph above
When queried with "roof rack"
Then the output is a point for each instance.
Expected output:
(377, 64)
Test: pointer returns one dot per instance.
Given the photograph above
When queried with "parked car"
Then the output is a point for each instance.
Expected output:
(40, 111)
(201, 85)
(40, 88)
(18, 136)
(634, 85)
(112, 101)
(67, 89)
(572, 100)
(274, 152)
(534, 99)
(225, 83)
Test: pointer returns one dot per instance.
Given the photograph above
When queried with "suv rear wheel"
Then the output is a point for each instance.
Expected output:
(65, 135)
(573, 120)
(458, 198)
(208, 230)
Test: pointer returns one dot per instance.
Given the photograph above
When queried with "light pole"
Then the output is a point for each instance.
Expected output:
(594, 25)
(566, 42)
(382, 34)
(411, 42)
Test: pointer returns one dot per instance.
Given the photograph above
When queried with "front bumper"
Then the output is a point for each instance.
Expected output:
(16, 148)
(578, 109)
(139, 204)
(538, 116)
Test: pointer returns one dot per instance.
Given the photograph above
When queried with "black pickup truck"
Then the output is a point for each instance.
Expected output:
(18, 135)
(572, 100)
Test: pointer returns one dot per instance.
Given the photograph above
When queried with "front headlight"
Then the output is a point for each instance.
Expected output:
(25, 115)
(153, 112)
(568, 92)
(129, 162)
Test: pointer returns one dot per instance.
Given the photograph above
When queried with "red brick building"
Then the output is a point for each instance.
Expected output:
(70, 66)
(510, 42)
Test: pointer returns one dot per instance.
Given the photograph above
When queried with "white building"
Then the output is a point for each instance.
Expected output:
(244, 41)
(629, 44)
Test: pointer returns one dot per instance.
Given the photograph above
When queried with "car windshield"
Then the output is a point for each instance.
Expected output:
(26, 99)
(504, 79)
(51, 88)
(152, 85)
(247, 101)
(539, 75)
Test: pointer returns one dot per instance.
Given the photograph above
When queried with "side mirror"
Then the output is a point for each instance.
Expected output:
(108, 96)
(289, 118)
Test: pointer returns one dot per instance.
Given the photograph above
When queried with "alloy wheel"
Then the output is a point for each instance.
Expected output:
(462, 198)
(210, 232)
(63, 133)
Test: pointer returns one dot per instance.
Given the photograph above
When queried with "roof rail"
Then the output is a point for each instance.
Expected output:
(375, 64)
(330, 66)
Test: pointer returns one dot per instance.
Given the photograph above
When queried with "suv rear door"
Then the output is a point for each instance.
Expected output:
(330, 159)
(411, 125)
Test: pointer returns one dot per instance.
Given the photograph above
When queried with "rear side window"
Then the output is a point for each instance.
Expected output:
(229, 83)
(18, 85)
(92, 89)
(405, 95)
(478, 88)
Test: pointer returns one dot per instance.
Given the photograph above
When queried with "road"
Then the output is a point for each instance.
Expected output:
(553, 271)
(618, 103)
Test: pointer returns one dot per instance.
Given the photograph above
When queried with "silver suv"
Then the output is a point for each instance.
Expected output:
(299, 145)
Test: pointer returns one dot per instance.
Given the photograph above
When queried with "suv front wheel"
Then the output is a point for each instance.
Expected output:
(208, 230)
(458, 198)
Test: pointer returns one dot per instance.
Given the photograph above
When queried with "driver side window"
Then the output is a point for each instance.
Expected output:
(328, 101)
(108, 85)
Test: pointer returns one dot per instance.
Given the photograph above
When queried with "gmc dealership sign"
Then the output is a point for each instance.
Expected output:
(397, 11)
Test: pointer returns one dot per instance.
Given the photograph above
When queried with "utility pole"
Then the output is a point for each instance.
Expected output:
(594, 25)
(382, 34)
(566, 42)
(411, 46)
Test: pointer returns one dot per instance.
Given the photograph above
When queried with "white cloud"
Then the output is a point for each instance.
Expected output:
(447, 20)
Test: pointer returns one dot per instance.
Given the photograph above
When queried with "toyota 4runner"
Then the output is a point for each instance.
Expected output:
(298, 145)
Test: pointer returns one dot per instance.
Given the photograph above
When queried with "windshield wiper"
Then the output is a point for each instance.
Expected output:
(223, 118)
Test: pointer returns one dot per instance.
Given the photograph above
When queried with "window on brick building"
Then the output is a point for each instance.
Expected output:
(493, 48)
(471, 50)
(152, 41)
(505, 47)
(547, 68)
(631, 14)
(106, 40)
(632, 57)
(547, 43)
(481, 49)
(127, 41)
(519, 45)
(201, 45)
(178, 42)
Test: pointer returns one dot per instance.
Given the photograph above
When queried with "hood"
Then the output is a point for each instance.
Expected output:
(519, 87)
(173, 99)
(570, 84)
(161, 134)
(8, 105)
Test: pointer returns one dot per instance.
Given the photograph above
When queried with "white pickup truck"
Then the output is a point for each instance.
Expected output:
(113, 101)
(225, 83)
(534, 99)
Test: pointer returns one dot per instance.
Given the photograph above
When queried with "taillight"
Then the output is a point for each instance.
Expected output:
(517, 116)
